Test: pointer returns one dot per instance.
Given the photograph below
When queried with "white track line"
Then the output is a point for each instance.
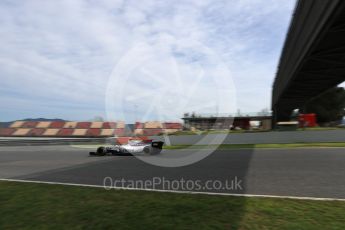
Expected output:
(177, 191)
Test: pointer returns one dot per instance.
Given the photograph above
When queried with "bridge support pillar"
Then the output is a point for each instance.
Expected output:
(280, 113)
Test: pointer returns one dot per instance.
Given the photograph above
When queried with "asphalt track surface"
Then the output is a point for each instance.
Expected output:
(307, 172)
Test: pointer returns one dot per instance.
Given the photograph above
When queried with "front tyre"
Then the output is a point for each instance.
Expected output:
(101, 151)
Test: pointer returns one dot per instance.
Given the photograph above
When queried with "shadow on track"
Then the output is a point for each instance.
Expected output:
(224, 171)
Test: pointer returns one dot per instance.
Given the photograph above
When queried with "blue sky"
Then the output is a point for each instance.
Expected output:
(137, 60)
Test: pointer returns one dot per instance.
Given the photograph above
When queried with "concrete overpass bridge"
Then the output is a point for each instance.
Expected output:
(313, 57)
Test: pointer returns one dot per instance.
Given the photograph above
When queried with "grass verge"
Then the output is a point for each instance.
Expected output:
(39, 206)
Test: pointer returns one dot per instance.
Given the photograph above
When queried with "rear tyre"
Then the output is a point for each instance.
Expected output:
(147, 150)
(156, 151)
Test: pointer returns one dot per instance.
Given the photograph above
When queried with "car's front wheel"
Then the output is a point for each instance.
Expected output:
(101, 151)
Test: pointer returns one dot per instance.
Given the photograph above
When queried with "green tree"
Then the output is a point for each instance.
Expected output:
(329, 106)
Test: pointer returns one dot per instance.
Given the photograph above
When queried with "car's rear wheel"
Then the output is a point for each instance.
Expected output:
(147, 150)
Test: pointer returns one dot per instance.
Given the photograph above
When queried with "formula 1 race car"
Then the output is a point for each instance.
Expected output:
(134, 147)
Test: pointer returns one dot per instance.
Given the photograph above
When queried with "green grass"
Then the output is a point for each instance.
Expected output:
(93, 146)
(39, 206)
(239, 146)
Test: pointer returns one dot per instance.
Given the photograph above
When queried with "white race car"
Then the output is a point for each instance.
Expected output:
(134, 147)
